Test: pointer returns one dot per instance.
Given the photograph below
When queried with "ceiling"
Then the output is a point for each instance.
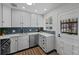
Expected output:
(39, 8)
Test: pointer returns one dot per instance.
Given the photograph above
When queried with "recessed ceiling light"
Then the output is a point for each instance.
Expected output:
(45, 9)
(29, 3)
(36, 10)
(23, 7)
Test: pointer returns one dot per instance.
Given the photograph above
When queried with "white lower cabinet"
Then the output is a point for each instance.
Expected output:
(64, 47)
(75, 49)
(23, 42)
(67, 48)
(13, 45)
(76, 46)
(60, 47)
(40, 41)
(19, 43)
(46, 43)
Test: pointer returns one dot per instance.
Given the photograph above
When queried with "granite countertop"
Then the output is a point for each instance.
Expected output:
(22, 34)
(9, 36)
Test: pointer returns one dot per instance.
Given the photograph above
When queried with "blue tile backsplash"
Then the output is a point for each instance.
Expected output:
(14, 30)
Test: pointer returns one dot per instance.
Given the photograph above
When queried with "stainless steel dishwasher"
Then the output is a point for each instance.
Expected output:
(33, 40)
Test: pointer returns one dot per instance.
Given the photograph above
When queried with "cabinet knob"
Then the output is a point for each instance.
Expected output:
(59, 35)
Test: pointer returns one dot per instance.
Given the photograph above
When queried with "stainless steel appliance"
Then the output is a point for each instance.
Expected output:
(5, 46)
(33, 40)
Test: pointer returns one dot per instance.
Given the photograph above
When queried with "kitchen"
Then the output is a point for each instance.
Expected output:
(39, 29)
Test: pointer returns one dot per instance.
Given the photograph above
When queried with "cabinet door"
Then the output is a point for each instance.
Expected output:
(13, 45)
(16, 18)
(40, 41)
(45, 47)
(67, 48)
(40, 21)
(6, 16)
(0, 15)
(75, 46)
(60, 46)
(33, 20)
(76, 49)
(26, 19)
(23, 42)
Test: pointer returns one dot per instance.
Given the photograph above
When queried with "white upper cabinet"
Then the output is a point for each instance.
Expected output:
(6, 17)
(16, 18)
(26, 19)
(34, 20)
(20, 18)
(0, 15)
(37, 20)
(40, 21)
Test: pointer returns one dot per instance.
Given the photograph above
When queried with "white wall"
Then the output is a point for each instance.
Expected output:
(64, 12)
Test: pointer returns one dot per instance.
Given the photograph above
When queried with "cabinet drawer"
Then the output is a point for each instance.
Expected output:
(44, 40)
(45, 49)
(40, 36)
(45, 45)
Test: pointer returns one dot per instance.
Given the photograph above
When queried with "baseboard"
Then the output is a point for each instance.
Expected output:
(21, 50)
(54, 50)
